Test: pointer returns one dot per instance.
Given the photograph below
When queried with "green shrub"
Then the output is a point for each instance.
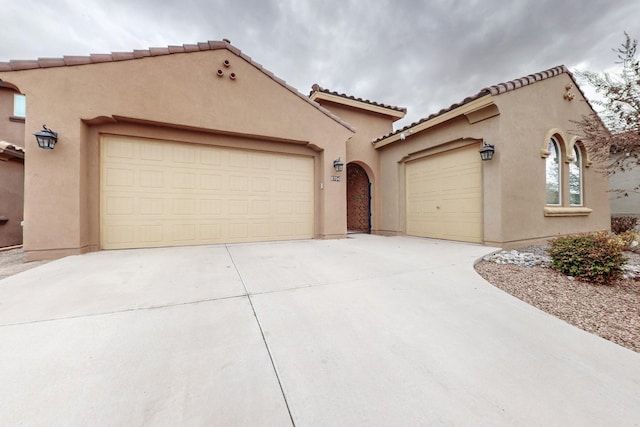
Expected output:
(595, 257)
(620, 224)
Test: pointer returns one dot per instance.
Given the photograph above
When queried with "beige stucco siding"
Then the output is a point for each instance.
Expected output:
(456, 133)
(369, 126)
(180, 92)
(527, 116)
(513, 183)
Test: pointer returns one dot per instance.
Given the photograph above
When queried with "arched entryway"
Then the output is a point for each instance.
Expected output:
(358, 199)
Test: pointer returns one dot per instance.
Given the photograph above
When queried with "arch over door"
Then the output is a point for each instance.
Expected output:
(358, 199)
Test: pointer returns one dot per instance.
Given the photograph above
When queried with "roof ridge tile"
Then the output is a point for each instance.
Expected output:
(158, 51)
(101, 57)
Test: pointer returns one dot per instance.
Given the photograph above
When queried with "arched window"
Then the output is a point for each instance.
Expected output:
(575, 178)
(553, 173)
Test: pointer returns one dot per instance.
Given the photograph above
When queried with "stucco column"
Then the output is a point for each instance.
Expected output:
(52, 186)
(334, 194)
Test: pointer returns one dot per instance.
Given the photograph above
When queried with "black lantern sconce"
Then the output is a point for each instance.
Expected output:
(46, 138)
(338, 165)
(487, 150)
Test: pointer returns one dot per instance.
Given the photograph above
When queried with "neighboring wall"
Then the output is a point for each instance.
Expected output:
(625, 192)
(11, 171)
(11, 128)
(11, 200)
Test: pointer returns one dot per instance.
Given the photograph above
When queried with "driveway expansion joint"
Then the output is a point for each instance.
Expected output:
(128, 310)
(264, 339)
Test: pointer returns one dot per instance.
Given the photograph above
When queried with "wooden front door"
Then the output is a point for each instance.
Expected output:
(358, 199)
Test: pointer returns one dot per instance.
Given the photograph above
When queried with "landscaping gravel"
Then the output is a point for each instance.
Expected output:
(13, 261)
(612, 311)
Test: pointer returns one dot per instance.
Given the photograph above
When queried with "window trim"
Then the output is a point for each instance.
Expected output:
(23, 104)
(578, 162)
(565, 147)
(558, 156)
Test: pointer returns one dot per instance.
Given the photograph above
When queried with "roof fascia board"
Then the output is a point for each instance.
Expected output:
(470, 111)
(357, 104)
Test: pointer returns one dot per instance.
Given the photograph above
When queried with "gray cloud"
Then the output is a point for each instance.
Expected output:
(423, 55)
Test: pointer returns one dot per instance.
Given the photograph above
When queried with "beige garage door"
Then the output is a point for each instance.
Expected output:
(443, 196)
(159, 193)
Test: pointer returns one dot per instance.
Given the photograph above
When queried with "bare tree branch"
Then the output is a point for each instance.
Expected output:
(613, 135)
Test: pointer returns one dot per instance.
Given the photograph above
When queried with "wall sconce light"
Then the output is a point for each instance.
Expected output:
(487, 150)
(338, 165)
(46, 138)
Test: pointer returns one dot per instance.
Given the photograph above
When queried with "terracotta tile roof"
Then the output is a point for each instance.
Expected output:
(159, 51)
(317, 88)
(11, 150)
(494, 90)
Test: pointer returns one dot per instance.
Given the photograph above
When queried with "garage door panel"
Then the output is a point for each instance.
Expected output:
(151, 206)
(211, 207)
(210, 232)
(201, 194)
(149, 233)
(151, 178)
(260, 184)
(443, 196)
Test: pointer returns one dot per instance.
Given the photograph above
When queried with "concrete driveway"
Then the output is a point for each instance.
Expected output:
(364, 331)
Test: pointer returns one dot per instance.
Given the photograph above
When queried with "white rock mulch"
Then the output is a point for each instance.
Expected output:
(533, 256)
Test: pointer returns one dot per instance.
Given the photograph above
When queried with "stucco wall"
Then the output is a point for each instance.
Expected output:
(447, 136)
(527, 117)
(513, 183)
(11, 201)
(181, 90)
(368, 126)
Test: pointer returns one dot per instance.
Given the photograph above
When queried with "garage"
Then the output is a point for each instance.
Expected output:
(163, 193)
(444, 196)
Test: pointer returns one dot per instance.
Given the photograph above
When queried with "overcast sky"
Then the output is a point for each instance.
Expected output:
(423, 55)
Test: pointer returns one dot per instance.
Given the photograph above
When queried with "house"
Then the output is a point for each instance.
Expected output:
(11, 165)
(625, 193)
(540, 183)
(429, 181)
(625, 182)
(199, 144)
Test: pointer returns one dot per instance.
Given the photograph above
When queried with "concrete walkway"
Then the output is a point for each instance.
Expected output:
(363, 331)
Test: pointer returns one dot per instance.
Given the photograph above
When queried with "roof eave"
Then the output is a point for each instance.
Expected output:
(474, 111)
(361, 105)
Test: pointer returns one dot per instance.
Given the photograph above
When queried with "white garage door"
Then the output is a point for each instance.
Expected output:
(443, 196)
(160, 193)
